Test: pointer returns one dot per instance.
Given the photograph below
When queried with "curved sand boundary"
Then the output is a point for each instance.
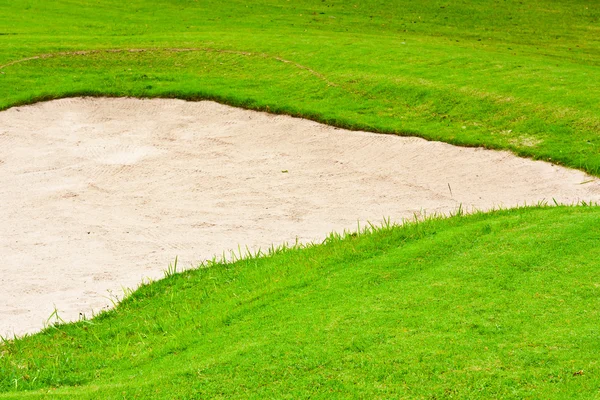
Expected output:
(98, 194)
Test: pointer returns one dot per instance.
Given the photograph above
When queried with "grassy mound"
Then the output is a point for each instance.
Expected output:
(515, 75)
(498, 305)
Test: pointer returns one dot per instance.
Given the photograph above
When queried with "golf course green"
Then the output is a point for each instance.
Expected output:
(503, 304)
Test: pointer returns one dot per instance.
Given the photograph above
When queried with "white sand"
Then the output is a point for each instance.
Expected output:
(98, 194)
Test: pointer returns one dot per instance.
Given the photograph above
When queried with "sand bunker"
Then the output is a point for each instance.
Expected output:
(98, 194)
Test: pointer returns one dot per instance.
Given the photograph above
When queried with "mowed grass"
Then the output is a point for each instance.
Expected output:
(507, 74)
(498, 305)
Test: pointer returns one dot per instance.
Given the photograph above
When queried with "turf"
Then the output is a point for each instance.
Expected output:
(500, 305)
(505, 74)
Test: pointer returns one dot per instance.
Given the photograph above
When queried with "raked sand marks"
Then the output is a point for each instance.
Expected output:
(98, 194)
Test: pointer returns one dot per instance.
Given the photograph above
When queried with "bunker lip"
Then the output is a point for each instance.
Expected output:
(98, 194)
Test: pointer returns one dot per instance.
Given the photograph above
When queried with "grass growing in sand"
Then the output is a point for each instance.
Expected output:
(498, 305)
(507, 74)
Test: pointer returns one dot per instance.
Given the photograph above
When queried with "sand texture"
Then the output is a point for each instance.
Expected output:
(98, 194)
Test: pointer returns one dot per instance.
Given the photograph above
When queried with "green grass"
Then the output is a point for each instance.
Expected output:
(499, 305)
(507, 74)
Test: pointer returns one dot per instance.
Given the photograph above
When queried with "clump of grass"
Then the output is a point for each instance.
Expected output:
(171, 269)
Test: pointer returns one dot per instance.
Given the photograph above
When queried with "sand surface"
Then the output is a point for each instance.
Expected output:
(99, 194)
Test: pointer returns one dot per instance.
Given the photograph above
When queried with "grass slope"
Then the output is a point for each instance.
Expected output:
(499, 305)
(508, 74)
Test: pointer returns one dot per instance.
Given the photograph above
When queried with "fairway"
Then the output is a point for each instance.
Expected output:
(343, 183)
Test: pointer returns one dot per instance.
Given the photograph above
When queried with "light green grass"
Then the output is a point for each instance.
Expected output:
(507, 74)
(500, 305)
